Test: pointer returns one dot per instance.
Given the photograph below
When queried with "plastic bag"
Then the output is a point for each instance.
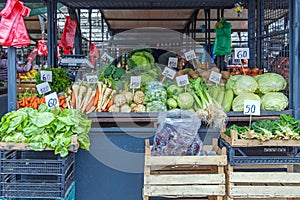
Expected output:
(94, 53)
(223, 38)
(155, 92)
(42, 47)
(177, 134)
(12, 25)
(67, 38)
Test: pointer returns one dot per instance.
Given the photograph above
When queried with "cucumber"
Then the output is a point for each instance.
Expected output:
(227, 101)
(221, 95)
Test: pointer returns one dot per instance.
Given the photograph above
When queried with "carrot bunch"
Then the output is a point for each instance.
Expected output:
(35, 102)
(31, 102)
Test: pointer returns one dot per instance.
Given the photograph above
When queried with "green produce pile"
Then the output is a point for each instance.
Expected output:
(265, 88)
(60, 80)
(286, 128)
(46, 128)
(155, 97)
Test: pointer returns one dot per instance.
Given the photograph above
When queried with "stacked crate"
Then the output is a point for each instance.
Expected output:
(261, 169)
(30, 175)
(184, 176)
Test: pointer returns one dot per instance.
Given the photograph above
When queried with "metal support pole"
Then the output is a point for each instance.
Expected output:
(295, 55)
(52, 32)
(260, 22)
(12, 79)
(251, 33)
(102, 27)
(90, 26)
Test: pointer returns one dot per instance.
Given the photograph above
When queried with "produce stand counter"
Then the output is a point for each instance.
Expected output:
(115, 162)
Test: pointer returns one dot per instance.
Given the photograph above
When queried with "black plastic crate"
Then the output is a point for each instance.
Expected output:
(267, 155)
(32, 162)
(37, 186)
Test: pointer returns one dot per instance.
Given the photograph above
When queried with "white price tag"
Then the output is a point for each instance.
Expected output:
(215, 77)
(182, 80)
(190, 55)
(251, 107)
(135, 82)
(241, 53)
(46, 76)
(43, 88)
(172, 63)
(105, 57)
(170, 73)
(52, 100)
(92, 79)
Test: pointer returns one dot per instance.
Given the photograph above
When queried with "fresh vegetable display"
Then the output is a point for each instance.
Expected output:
(286, 128)
(44, 127)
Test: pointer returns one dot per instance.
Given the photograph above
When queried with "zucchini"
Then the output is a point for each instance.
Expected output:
(227, 101)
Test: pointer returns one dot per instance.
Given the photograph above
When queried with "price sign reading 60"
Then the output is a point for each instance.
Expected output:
(241, 53)
(51, 100)
(251, 107)
(182, 80)
(46, 76)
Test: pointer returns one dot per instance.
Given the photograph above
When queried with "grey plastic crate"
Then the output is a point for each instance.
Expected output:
(266, 155)
(31, 162)
(30, 174)
(37, 186)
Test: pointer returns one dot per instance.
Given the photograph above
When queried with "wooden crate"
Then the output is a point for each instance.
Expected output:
(235, 141)
(25, 147)
(26, 86)
(262, 182)
(184, 176)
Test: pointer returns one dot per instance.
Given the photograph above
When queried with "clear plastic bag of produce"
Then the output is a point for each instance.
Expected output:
(177, 135)
(156, 106)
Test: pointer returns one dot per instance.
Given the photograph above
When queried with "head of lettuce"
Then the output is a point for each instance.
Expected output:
(274, 101)
(270, 82)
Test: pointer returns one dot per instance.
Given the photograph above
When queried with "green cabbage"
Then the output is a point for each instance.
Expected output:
(185, 101)
(244, 84)
(174, 90)
(238, 102)
(270, 82)
(275, 101)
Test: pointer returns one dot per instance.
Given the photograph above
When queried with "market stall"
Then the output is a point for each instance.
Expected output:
(114, 167)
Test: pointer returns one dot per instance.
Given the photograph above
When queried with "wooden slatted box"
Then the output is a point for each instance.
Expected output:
(184, 176)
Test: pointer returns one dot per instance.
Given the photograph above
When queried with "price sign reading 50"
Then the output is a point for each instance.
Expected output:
(251, 107)
(46, 76)
(51, 100)
(241, 53)
(43, 88)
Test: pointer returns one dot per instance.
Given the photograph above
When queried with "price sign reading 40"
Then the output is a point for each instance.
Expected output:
(135, 82)
(92, 79)
(46, 76)
(43, 88)
(170, 73)
(251, 107)
(182, 80)
(52, 100)
(190, 55)
(172, 63)
(241, 53)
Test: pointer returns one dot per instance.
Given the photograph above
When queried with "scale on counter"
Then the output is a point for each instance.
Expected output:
(75, 61)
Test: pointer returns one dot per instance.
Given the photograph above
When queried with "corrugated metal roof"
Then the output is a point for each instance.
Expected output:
(150, 4)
